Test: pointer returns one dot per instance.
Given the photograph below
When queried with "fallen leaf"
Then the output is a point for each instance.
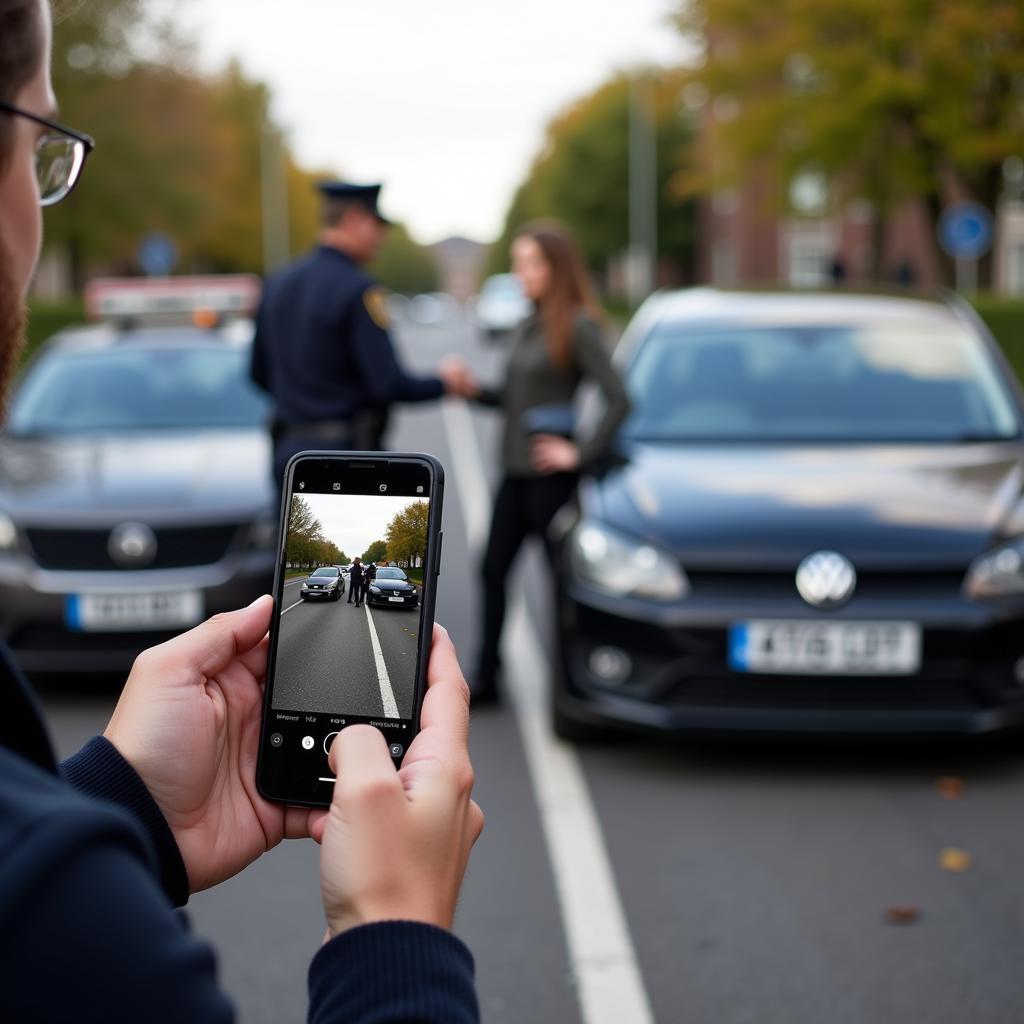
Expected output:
(950, 787)
(902, 913)
(954, 859)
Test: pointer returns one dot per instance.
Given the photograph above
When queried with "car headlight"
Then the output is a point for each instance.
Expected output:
(997, 573)
(8, 532)
(374, 590)
(620, 565)
(305, 586)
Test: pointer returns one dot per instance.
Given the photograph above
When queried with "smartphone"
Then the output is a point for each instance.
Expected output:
(358, 561)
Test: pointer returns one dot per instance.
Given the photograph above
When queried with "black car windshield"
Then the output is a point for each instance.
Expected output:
(138, 388)
(325, 571)
(390, 574)
(884, 382)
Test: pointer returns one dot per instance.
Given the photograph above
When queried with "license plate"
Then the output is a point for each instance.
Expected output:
(825, 648)
(170, 609)
(400, 600)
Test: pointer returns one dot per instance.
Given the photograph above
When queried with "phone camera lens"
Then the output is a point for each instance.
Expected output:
(383, 488)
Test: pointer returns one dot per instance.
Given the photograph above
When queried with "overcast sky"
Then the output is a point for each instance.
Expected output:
(445, 101)
(355, 521)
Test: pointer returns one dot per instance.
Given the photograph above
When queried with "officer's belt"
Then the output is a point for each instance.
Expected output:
(314, 430)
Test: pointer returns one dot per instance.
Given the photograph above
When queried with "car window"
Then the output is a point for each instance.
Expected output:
(884, 382)
(138, 388)
(326, 572)
(390, 574)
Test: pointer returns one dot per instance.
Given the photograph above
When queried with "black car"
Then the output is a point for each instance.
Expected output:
(326, 583)
(814, 522)
(392, 588)
(136, 495)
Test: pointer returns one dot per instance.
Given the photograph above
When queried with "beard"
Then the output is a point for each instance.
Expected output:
(12, 327)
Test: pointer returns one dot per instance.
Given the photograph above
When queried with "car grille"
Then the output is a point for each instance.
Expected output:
(86, 550)
(884, 585)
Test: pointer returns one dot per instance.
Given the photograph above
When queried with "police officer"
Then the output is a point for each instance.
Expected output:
(322, 348)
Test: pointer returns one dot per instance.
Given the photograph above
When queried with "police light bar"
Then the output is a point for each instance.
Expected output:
(108, 298)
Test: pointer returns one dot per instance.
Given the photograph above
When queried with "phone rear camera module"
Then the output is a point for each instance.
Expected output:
(336, 487)
(383, 488)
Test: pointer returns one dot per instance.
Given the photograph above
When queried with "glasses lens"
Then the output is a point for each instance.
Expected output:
(58, 162)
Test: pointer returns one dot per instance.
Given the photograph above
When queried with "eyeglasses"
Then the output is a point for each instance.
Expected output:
(60, 156)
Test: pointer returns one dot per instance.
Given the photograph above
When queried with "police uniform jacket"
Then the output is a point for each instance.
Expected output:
(322, 348)
(90, 876)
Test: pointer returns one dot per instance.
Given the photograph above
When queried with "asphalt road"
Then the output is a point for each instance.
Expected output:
(326, 658)
(753, 882)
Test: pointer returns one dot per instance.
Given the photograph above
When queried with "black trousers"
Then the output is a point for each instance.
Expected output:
(523, 506)
(356, 592)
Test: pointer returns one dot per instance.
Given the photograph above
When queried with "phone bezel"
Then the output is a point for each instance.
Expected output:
(381, 460)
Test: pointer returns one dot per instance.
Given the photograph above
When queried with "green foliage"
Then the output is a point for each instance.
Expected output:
(407, 534)
(582, 177)
(45, 319)
(404, 265)
(306, 542)
(1005, 319)
(176, 151)
(376, 552)
(889, 101)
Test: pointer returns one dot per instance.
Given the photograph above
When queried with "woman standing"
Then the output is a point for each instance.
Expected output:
(558, 347)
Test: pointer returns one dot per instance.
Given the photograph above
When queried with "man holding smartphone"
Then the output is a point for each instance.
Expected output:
(96, 853)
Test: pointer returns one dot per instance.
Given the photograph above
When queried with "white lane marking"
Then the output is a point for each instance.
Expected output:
(387, 695)
(604, 961)
(291, 606)
(291, 583)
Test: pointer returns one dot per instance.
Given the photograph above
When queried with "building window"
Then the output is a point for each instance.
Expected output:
(808, 263)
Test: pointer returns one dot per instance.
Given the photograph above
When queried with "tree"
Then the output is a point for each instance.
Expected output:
(376, 552)
(407, 534)
(582, 177)
(918, 99)
(306, 544)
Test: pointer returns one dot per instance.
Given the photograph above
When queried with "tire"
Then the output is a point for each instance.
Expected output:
(336, 595)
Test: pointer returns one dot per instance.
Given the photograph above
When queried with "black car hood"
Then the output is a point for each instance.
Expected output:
(402, 585)
(769, 506)
(213, 474)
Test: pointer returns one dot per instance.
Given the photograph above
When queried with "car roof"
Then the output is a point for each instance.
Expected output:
(106, 336)
(771, 306)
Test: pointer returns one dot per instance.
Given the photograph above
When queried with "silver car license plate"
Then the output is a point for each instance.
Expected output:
(400, 600)
(114, 612)
(825, 648)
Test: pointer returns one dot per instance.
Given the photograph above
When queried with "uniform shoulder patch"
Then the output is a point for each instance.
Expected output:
(376, 301)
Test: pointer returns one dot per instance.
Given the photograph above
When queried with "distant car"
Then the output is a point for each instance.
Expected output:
(135, 492)
(501, 305)
(432, 309)
(392, 588)
(327, 582)
(814, 522)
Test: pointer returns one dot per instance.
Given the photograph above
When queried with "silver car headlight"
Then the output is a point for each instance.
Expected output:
(997, 573)
(624, 566)
(374, 590)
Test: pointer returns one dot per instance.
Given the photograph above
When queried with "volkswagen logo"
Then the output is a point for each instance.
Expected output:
(826, 579)
(132, 545)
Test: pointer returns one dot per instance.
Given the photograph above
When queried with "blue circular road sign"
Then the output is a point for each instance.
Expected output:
(157, 255)
(965, 230)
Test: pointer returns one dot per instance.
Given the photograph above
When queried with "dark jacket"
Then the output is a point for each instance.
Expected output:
(90, 875)
(355, 574)
(532, 381)
(322, 348)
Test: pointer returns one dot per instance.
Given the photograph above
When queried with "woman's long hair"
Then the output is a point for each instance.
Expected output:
(569, 290)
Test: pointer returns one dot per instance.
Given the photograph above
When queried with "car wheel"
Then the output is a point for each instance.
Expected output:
(336, 594)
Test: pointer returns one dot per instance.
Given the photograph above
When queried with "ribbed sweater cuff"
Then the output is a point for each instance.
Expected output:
(393, 971)
(98, 770)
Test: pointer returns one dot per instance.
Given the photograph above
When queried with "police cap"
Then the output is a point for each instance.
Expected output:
(365, 195)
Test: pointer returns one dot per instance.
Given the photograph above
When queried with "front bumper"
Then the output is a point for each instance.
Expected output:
(314, 594)
(680, 680)
(33, 606)
(383, 599)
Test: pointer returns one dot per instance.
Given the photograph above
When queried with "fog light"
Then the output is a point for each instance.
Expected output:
(610, 664)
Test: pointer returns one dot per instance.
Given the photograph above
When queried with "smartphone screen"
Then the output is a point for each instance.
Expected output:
(355, 597)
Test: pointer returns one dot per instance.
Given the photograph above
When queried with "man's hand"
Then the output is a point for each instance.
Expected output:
(188, 722)
(551, 454)
(396, 843)
(458, 378)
